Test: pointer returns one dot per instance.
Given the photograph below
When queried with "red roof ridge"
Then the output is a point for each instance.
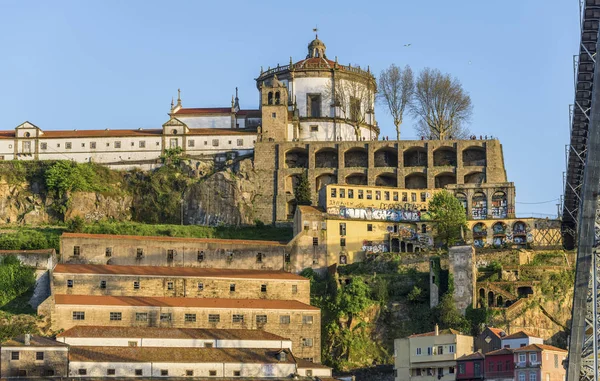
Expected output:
(540, 347)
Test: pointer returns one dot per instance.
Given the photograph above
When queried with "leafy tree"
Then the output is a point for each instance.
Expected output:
(449, 215)
(302, 191)
(76, 224)
(353, 298)
(447, 315)
(15, 279)
(441, 105)
(396, 88)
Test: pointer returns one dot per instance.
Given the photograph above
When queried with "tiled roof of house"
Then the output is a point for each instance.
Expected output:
(518, 335)
(472, 356)
(35, 341)
(309, 364)
(250, 113)
(503, 351)
(168, 333)
(196, 272)
(448, 331)
(210, 303)
(539, 347)
(108, 133)
(173, 239)
(178, 355)
(496, 331)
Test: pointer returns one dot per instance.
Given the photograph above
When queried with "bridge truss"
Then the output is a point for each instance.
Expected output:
(580, 219)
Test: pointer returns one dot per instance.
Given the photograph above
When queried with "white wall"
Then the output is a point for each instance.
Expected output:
(213, 121)
(316, 372)
(156, 342)
(518, 343)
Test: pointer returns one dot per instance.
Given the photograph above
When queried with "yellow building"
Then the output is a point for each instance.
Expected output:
(430, 356)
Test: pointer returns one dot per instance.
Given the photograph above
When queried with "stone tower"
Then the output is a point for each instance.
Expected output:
(461, 261)
(274, 106)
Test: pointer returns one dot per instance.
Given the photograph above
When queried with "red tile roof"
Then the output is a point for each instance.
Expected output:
(496, 331)
(250, 113)
(449, 331)
(169, 333)
(205, 110)
(198, 272)
(99, 133)
(212, 303)
(7, 134)
(539, 347)
(472, 356)
(220, 131)
(518, 335)
(301, 363)
(178, 355)
(174, 239)
(314, 62)
(497, 352)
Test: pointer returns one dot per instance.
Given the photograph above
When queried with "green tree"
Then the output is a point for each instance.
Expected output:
(447, 315)
(449, 215)
(302, 191)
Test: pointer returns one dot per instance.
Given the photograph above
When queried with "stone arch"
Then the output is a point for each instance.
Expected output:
(277, 98)
(479, 206)
(386, 157)
(499, 231)
(474, 178)
(326, 158)
(462, 198)
(490, 298)
(444, 156)
(499, 205)
(296, 158)
(481, 298)
(415, 157)
(479, 231)
(270, 98)
(324, 180)
(415, 181)
(473, 156)
(356, 179)
(519, 230)
(386, 180)
(499, 301)
(444, 179)
(291, 182)
(356, 157)
(395, 245)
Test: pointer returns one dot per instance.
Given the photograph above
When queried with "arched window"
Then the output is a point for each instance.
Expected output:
(423, 228)
(277, 98)
(343, 259)
(270, 98)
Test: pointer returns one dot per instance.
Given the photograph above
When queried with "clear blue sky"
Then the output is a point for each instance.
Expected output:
(116, 64)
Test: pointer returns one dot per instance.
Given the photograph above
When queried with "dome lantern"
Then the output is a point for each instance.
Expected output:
(316, 49)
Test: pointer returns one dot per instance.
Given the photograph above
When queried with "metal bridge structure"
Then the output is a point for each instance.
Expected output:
(580, 217)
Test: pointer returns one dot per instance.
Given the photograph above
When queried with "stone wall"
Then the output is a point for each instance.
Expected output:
(461, 260)
(55, 361)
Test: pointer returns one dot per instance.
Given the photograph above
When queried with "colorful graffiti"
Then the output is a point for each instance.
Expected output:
(395, 215)
(375, 247)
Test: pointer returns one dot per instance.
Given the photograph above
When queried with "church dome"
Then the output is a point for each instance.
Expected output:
(316, 49)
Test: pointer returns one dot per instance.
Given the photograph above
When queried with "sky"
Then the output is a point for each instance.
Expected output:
(116, 64)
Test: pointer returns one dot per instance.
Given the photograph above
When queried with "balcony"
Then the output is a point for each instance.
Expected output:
(528, 364)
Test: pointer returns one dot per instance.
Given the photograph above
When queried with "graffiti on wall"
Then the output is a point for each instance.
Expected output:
(395, 215)
(375, 247)
(502, 234)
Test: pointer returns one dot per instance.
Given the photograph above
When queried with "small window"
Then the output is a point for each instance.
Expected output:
(108, 144)
(115, 316)
(103, 284)
(111, 372)
(14, 355)
(294, 289)
(369, 195)
(165, 317)
(350, 193)
(342, 228)
(342, 242)
(240, 142)
(413, 197)
(232, 287)
(170, 286)
(205, 142)
(39, 356)
(307, 319)
(82, 371)
(215, 142)
(170, 255)
(157, 144)
(423, 197)
(43, 145)
(136, 284)
(139, 252)
(191, 143)
(57, 145)
(333, 192)
(451, 370)
(69, 283)
(214, 318)
(132, 343)
(190, 318)
(377, 195)
(360, 194)
(237, 318)
(369, 227)
(418, 351)
(189, 373)
(440, 350)
(212, 373)
(287, 257)
(451, 348)
(261, 319)
(263, 288)
(307, 342)
(108, 252)
(237, 373)
(284, 319)
(138, 372)
(386, 196)
(76, 251)
(259, 258)
(274, 115)
(315, 241)
(404, 196)
(200, 256)
(93, 145)
(68, 145)
(314, 128)
(117, 144)
(164, 372)
(229, 142)
(132, 144)
(141, 316)
(395, 196)
(78, 315)
(200, 286)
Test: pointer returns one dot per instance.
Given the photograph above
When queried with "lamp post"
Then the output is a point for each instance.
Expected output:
(181, 212)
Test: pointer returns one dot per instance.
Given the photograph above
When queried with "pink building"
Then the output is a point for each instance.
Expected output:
(539, 362)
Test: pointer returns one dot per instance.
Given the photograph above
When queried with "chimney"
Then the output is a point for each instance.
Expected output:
(27, 339)
(437, 330)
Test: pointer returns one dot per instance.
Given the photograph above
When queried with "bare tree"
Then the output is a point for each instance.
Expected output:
(396, 88)
(354, 101)
(442, 106)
